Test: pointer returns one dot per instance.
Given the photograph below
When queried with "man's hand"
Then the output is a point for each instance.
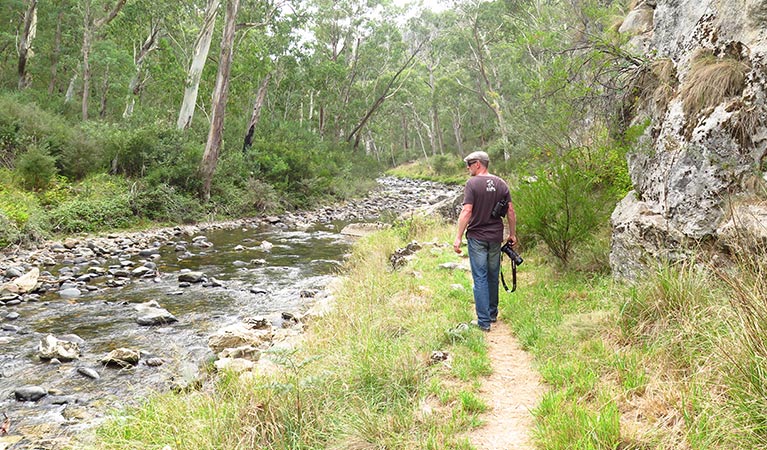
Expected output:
(457, 245)
(513, 239)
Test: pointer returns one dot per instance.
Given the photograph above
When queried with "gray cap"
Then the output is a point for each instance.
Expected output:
(477, 156)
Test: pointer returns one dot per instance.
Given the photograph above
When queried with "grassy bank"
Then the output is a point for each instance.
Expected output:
(675, 361)
(363, 377)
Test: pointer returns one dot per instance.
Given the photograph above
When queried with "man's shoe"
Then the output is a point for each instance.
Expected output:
(494, 320)
(475, 324)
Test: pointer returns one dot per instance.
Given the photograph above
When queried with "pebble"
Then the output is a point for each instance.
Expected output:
(88, 372)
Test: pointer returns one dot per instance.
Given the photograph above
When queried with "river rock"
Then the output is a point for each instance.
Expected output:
(71, 337)
(12, 316)
(70, 293)
(150, 313)
(258, 323)
(30, 393)
(141, 271)
(246, 352)
(154, 362)
(23, 284)
(122, 357)
(88, 372)
(191, 277)
(149, 252)
(238, 335)
(119, 273)
(236, 365)
(50, 348)
(14, 272)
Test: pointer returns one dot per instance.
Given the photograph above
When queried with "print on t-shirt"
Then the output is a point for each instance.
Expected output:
(490, 186)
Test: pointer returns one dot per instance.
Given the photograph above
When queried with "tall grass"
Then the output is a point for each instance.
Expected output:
(746, 352)
(675, 361)
(359, 380)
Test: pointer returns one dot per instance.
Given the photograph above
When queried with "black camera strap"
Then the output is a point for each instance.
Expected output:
(513, 277)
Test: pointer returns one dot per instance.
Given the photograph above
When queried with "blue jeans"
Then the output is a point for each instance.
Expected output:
(485, 260)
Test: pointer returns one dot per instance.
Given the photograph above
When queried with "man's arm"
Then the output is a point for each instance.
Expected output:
(511, 217)
(463, 222)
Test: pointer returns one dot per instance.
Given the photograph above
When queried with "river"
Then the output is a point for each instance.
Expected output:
(260, 268)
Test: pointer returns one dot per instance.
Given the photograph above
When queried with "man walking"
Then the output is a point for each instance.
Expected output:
(484, 233)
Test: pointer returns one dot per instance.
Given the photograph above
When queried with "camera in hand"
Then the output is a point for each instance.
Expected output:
(513, 256)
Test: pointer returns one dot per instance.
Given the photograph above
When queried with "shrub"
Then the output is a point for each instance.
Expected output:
(36, 167)
(9, 232)
(21, 218)
(179, 169)
(304, 168)
(23, 124)
(561, 208)
(99, 202)
(164, 203)
(86, 215)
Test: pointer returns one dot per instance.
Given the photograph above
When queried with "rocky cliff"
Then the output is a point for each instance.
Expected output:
(699, 169)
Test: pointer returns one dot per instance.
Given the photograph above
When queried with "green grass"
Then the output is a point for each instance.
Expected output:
(675, 361)
(359, 380)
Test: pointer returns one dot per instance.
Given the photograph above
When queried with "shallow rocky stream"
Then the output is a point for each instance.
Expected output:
(91, 291)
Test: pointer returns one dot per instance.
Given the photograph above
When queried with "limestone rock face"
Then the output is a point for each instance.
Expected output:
(698, 172)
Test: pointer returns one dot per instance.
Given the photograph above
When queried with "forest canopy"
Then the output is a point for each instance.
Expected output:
(232, 107)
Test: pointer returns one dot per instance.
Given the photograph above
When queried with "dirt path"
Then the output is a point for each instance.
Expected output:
(511, 392)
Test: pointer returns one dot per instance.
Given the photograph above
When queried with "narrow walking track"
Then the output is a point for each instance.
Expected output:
(511, 392)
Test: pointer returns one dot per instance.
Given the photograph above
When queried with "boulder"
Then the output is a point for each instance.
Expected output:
(239, 335)
(191, 277)
(88, 372)
(30, 393)
(237, 365)
(122, 357)
(50, 348)
(150, 313)
(23, 284)
(691, 163)
(638, 21)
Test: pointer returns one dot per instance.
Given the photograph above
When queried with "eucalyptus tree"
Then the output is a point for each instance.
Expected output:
(431, 26)
(339, 29)
(197, 64)
(395, 59)
(27, 35)
(92, 26)
(142, 25)
(62, 43)
(266, 42)
(220, 95)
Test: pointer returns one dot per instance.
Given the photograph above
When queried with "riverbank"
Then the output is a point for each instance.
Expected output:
(393, 365)
(95, 277)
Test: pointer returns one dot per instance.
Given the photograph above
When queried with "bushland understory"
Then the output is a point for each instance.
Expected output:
(671, 362)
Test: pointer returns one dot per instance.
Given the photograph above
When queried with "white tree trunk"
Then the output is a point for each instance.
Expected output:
(70, 95)
(457, 126)
(201, 49)
(256, 115)
(139, 58)
(220, 94)
(25, 43)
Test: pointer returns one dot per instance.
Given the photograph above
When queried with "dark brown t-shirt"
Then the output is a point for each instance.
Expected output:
(483, 192)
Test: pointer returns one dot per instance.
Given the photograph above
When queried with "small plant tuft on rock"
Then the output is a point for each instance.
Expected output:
(712, 80)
